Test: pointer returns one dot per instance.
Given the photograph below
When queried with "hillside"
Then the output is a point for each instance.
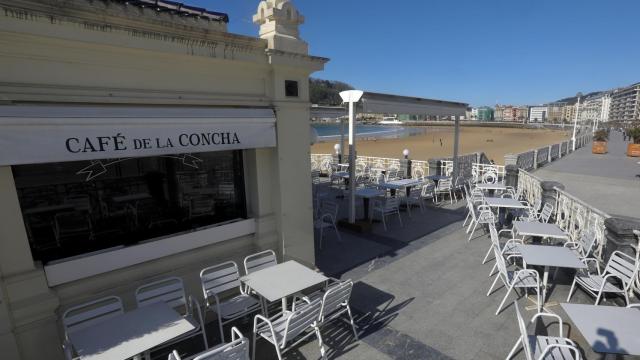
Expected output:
(326, 92)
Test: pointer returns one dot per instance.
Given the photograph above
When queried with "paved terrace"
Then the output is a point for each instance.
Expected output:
(420, 293)
(608, 182)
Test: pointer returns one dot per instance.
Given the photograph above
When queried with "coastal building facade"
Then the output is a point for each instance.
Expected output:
(625, 104)
(538, 114)
(568, 113)
(485, 113)
(555, 112)
(595, 108)
(139, 143)
(511, 113)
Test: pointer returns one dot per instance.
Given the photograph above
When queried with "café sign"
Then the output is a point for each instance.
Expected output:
(34, 135)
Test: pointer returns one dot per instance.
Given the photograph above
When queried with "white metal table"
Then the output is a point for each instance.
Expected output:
(536, 228)
(549, 256)
(130, 334)
(282, 280)
(504, 203)
(496, 186)
(406, 184)
(607, 329)
(366, 194)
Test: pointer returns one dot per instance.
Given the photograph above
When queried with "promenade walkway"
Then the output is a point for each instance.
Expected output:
(608, 182)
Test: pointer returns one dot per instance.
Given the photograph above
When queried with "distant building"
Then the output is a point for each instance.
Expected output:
(568, 113)
(595, 108)
(474, 113)
(555, 112)
(511, 113)
(538, 114)
(625, 104)
(485, 113)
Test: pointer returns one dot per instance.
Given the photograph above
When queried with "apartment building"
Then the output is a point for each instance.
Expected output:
(538, 113)
(555, 112)
(595, 108)
(625, 104)
(511, 113)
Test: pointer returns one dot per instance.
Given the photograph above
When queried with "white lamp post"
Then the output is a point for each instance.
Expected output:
(352, 97)
(337, 148)
(575, 122)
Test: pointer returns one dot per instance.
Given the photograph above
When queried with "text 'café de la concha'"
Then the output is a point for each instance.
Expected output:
(139, 142)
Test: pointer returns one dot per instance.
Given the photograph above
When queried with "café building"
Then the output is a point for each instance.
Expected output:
(139, 140)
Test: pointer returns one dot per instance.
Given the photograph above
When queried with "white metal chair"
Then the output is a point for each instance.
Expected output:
(171, 291)
(584, 245)
(84, 315)
(335, 302)
(537, 347)
(259, 261)
(484, 216)
(429, 191)
(287, 329)
(546, 212)
(517, 279)
(620, 267)
(222, 279)
(414, 198)
(389, 206)
(510, 247)
(327, 218)
(237, 349)
(444, 187)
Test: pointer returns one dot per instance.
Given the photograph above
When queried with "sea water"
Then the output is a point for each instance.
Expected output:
(330, 132)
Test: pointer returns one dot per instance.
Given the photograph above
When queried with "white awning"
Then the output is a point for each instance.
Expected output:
(42, 134)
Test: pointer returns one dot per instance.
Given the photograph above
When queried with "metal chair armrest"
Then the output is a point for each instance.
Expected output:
(235, 334)
(555, 316)
(586, 262)
(634, 306)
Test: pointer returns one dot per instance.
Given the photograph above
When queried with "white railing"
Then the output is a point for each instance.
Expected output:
(532, 159)
(531, 186)
(465, 165)
(487, 172)
(418, 168)
(575, 216)
(321, 162)
(373, 162)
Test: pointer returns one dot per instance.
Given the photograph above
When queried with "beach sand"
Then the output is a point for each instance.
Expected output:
(494, 142)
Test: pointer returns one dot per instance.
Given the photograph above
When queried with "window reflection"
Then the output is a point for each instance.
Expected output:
(73, 208)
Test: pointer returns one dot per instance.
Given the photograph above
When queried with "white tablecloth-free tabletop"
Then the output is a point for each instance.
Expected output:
(400, 184)
(536, 228)
(496, 186)
(608, 329)
(369, 193)
(504, 203)
(341, 174)
(549, 256)
(132, 333)
(282, 280)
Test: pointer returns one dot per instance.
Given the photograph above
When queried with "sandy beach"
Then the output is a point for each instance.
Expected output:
(494, 142)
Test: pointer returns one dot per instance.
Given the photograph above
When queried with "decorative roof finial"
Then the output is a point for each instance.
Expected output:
(279, 22)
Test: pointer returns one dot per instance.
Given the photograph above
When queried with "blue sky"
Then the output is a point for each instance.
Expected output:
(479, 52)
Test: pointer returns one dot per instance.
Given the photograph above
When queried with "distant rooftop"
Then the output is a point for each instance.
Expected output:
(181, 9)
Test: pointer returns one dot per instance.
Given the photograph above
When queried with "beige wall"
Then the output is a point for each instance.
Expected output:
(61, 60)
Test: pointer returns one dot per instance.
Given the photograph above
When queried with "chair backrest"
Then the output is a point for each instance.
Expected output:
(486, 216)
(391, 204)
(336, 297)
(219, 278)
(237, 349)
(495, 239)
(82, 316)
(523, 332)
(587, 241)
(169, 291)
(331, 208)
(300, 320)
(259, 261)
(428, 190)
(472, 210)
(444, 184)
(623, 266)
(546, 213)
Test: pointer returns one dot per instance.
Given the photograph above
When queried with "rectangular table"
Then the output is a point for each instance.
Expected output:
(536, 228)
(131, 197)
(607, 329)
(437, 177)
(130, 334)
(549, 256)
(406, 184)
(366, 194)
(282, 280)
(504, 203)
(496, 186)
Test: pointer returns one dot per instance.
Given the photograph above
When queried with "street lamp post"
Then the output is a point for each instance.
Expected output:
(575, 122)
(352, 97)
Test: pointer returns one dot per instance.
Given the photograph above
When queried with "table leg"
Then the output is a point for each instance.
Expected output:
(366, 208)
(284, 305)
(545, 278)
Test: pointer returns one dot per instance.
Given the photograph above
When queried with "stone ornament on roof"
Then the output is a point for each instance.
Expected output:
(279, 22)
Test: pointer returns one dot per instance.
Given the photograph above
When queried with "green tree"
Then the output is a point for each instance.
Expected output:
(326, 92)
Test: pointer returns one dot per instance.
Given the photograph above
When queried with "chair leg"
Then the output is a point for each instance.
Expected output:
(400, 218)
(486, 257)
(253, 353)
(472, 231)
(464, 224)
(278, 352)
(493, 284)
(493, 269)
(384, 222)
(322, 352)
(598, 298)
(337, 233)
(504, 299)
(321, 234)
(220, 325)
(515, 347)
(573, 286)
(353, 324)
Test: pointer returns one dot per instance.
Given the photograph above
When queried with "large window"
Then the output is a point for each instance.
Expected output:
(74, 208)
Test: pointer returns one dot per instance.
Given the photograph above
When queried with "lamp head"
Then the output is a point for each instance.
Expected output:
(405, 152)
(336, 147)
(351, 96)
